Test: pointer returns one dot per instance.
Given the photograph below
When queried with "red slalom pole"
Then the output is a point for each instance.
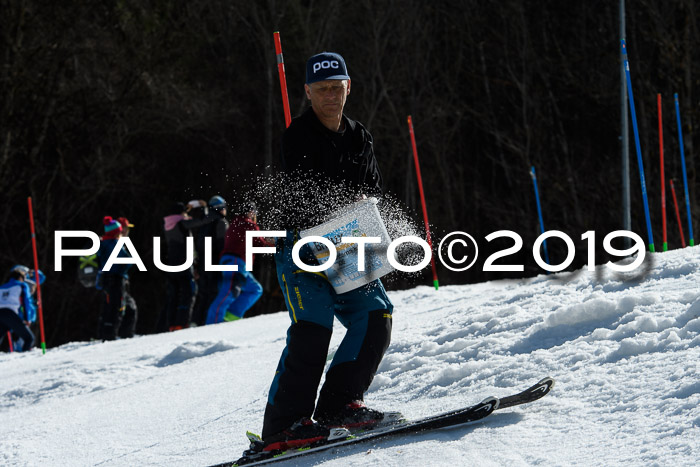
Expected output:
(9, 341)
(663, 180)
(36, 276)
(422, 200)
(283, 79)
(678, 214)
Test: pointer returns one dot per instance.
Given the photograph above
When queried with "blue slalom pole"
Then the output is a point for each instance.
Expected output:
(638, 146)
(539, 212)
(685, 177)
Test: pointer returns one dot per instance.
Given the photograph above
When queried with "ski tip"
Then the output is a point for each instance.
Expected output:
(491, 403)
(542, 387)
(548, 381)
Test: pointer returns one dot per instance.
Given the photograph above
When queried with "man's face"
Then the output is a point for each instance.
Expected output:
(328, 97)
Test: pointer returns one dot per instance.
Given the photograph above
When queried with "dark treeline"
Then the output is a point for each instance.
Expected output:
(121, 108)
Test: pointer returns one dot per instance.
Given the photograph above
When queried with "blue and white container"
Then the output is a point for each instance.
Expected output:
(360, 219)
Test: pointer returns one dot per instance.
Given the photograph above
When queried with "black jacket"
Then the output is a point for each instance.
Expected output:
(217, 231)
(176, 229)
(325, 170)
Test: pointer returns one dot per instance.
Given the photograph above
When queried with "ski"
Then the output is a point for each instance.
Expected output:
(256, 456)
(531, 394)
(478, 411)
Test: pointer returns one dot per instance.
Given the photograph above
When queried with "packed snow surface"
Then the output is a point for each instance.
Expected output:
(624, 350)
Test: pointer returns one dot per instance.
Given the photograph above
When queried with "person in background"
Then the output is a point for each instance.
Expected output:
(198, 211)
(17, 310)
(238, 291)
(131, 313)
(181, 288)
(208, 282)
(31, 280)
(112, 283)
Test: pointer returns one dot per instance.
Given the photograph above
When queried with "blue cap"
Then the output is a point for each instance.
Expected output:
(326, 65)
(217, 202)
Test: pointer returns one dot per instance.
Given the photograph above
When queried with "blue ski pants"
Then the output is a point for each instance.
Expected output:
(313, 305)
(238, 291)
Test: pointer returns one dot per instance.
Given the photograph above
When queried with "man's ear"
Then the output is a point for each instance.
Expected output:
(308, 91)
(348, 93)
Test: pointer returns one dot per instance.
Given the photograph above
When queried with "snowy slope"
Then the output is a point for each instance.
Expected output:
(624, 350)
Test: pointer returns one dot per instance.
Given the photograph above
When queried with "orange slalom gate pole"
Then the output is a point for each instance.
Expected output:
(663, 180)
(678, 214)
(422, 200)
(283, 79)
(36, 277)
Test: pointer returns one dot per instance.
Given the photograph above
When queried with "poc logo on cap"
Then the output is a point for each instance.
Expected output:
(325, 64)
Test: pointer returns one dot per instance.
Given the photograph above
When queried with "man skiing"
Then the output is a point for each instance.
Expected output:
(325, 145)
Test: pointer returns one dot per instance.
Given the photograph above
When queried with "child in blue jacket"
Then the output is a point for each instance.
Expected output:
(17, 310)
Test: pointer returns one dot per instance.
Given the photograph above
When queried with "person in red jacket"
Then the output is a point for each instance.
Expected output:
(238, 291)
